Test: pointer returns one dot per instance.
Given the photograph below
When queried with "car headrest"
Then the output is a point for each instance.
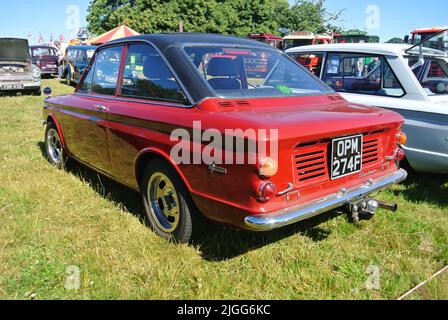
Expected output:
(222, 67)
(155, 68)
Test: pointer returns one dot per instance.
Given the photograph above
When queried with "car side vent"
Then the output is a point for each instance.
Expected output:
(225, 104)
(243, 103)
(335, 98)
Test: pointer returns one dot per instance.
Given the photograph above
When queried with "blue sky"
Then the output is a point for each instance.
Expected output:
(396, 17)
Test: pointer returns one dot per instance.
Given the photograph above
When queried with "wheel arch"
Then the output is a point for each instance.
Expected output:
(53, 119)
(149, 154)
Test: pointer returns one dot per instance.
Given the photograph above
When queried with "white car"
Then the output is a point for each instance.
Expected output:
(412, 81)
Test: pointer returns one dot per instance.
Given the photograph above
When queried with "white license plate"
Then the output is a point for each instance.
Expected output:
(11, 86)
(346, 156)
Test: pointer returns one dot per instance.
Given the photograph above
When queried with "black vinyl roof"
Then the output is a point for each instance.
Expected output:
(169, 44)
(165, 40)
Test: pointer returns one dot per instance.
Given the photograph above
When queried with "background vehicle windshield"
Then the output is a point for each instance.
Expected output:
(236, 72)
(432, 74)
(297, 43)
(43, 51)
(436, 45)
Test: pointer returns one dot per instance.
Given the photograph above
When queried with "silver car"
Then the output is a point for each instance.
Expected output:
(412, 81)
(17, 72)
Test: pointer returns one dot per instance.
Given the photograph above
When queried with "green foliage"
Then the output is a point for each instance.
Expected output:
(396, 40)
(231, 17)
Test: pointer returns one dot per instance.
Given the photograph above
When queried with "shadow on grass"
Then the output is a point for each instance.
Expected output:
(25, 93)
(218, 243)
(223, 243)
(425, 187)
(105, 187)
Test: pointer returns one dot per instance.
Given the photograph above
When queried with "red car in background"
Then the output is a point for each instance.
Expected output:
(268, 38)
(148, 107)
(46, 58)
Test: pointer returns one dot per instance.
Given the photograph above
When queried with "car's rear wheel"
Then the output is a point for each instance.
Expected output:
(53, 146)
(169, 208)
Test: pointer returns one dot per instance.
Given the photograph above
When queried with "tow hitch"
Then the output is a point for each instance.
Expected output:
(366, 208)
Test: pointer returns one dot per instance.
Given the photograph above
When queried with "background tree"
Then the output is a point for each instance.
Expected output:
(395, 40)
(232, 17)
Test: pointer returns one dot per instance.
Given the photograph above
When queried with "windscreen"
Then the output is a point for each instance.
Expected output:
(436, 45)
(243, 72)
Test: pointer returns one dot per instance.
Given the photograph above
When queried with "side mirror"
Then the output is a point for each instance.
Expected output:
(406, 39)
(47, 92)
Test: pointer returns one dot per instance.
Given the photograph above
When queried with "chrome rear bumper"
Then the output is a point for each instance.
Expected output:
(267, 222)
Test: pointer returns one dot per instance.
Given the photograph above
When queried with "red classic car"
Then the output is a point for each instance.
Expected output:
(153, 112)
(46, 58)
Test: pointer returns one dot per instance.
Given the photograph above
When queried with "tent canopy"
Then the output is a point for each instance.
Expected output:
(117, 33)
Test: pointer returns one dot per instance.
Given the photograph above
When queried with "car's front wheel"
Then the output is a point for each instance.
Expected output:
(53, 146)
(169, 208)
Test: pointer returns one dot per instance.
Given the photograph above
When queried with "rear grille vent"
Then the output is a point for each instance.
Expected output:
(311, 162)
(370, 151)
(311, 159)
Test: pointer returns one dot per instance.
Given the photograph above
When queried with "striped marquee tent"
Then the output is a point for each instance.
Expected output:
(117, 33)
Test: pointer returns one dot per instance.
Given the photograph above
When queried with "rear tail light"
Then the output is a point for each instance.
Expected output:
(268, 167)
(402, 138)
(267, 191)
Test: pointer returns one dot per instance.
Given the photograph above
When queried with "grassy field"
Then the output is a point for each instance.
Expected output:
(51, 220)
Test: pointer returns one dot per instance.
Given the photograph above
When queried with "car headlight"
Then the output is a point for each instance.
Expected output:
(36, 72)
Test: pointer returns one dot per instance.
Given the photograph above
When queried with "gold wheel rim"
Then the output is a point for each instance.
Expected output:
(163, 202)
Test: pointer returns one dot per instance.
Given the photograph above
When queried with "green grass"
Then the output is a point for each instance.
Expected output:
(50, 220)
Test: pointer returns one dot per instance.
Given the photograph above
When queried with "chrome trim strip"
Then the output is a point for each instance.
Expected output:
(425, 152)
(267, 222)
(288, 189)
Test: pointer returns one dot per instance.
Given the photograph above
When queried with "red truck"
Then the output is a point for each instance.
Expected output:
(305, 38)
(420, 35)
(267, 38)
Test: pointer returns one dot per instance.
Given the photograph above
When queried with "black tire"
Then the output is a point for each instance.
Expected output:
(187, 221)
(54, 149)
(37, 92)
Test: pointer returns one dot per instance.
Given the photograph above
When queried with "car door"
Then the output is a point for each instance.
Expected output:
(148, 97)
(84, 119)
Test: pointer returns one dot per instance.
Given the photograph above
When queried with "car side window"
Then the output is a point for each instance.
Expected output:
(80, 56)
(87, 83)
(107, 66)
(71, 55)
(362, 74)
(147, 76)
(311, 61)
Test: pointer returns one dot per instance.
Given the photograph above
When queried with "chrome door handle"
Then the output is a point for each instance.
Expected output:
(100, 107)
